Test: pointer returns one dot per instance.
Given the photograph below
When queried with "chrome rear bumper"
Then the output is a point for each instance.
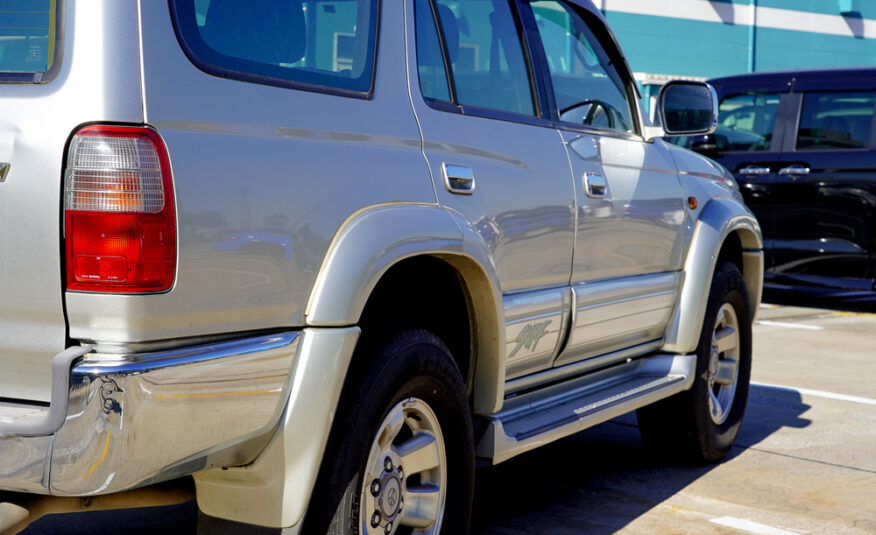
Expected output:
(121, 421)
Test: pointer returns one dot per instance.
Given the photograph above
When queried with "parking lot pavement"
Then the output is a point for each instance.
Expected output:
(804, 463)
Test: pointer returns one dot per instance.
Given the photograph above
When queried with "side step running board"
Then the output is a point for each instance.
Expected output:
(542, 416)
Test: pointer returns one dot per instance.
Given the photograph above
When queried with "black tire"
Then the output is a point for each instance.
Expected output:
(686, 427)
(412, 370)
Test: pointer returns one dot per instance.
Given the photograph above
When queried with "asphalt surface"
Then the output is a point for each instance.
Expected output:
(804, 463)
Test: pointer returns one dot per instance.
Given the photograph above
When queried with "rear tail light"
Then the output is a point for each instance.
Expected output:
(120, 229)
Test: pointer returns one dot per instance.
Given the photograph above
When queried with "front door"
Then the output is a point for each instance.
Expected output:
(630, 220)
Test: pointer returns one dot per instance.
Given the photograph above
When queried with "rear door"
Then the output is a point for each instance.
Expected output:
(824, 197)
(630, 218)
(498, 162)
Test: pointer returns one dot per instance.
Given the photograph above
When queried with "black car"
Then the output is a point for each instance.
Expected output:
(803, 149)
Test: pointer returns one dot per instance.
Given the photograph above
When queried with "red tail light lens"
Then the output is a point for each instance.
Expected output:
(120, 228)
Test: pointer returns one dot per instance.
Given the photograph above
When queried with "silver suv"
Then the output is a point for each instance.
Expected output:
(324, 255)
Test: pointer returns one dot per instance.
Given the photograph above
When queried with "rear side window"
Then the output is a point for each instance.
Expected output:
(746, 122)
(28, 33)
(317, 45)
(481, 40)
(835, 121)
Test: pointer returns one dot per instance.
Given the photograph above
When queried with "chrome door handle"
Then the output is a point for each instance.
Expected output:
(751, 170)
(794, 170)
(595, 185)
(458, 179)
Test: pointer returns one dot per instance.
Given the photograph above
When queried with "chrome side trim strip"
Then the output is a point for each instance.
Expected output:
(616, 314)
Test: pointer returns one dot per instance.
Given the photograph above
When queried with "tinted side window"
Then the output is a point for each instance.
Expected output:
(835, 121)
(746, 122)
(482, 40)
(588, 88)
(27, 36)
(299, 43)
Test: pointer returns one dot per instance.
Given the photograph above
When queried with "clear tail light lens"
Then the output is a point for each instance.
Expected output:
(119, 220)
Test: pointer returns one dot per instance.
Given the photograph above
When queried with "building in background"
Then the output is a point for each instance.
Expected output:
(665, 39)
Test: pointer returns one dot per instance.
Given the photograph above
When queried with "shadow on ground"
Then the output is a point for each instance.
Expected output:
(595, 482)
(601, 479)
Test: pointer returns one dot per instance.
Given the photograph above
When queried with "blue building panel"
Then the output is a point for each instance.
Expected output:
(681, 47)
(861, 8)
(783, 49)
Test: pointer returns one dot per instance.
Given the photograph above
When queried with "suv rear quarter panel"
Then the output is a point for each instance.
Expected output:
(264, 177)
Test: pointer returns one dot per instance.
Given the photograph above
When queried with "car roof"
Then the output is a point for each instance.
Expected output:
(848, 78)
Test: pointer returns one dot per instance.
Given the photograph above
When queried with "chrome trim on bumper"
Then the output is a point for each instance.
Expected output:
(138, 419)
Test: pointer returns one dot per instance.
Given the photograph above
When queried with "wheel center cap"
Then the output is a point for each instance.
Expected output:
(390, 497)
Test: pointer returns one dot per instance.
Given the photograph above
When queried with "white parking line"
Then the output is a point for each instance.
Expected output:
(818, 393)
(751, 527)
(789, 325)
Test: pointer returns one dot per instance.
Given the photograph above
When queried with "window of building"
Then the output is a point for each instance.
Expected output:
(482, 41)
(27, 38)
(835, 121)
(746, 122)
(300, 43)
(588, 87)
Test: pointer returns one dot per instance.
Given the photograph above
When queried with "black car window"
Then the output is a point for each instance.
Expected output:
(308, 44)
(482, 41)
(746, 122)
(588, 87)
(835, 121)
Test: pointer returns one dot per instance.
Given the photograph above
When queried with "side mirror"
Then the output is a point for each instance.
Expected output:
(688, 108)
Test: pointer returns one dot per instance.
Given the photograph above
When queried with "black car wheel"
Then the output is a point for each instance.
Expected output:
(400, 459)
(702, 423)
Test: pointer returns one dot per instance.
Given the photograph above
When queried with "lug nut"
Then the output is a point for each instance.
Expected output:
(388, 528)
(387, 464)
(401, 504)
(375, 519)
(401, 473)
(375, 487)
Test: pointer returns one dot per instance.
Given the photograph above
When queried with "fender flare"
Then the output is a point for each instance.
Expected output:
(373, 240)
(720, 218)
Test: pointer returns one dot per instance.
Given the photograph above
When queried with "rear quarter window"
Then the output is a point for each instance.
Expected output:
(840, 120)
(28, 40)
(315, 45)
(746, 122)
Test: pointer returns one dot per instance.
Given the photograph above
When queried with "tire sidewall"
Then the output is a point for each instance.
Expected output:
(413, 364)
(728, 287)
